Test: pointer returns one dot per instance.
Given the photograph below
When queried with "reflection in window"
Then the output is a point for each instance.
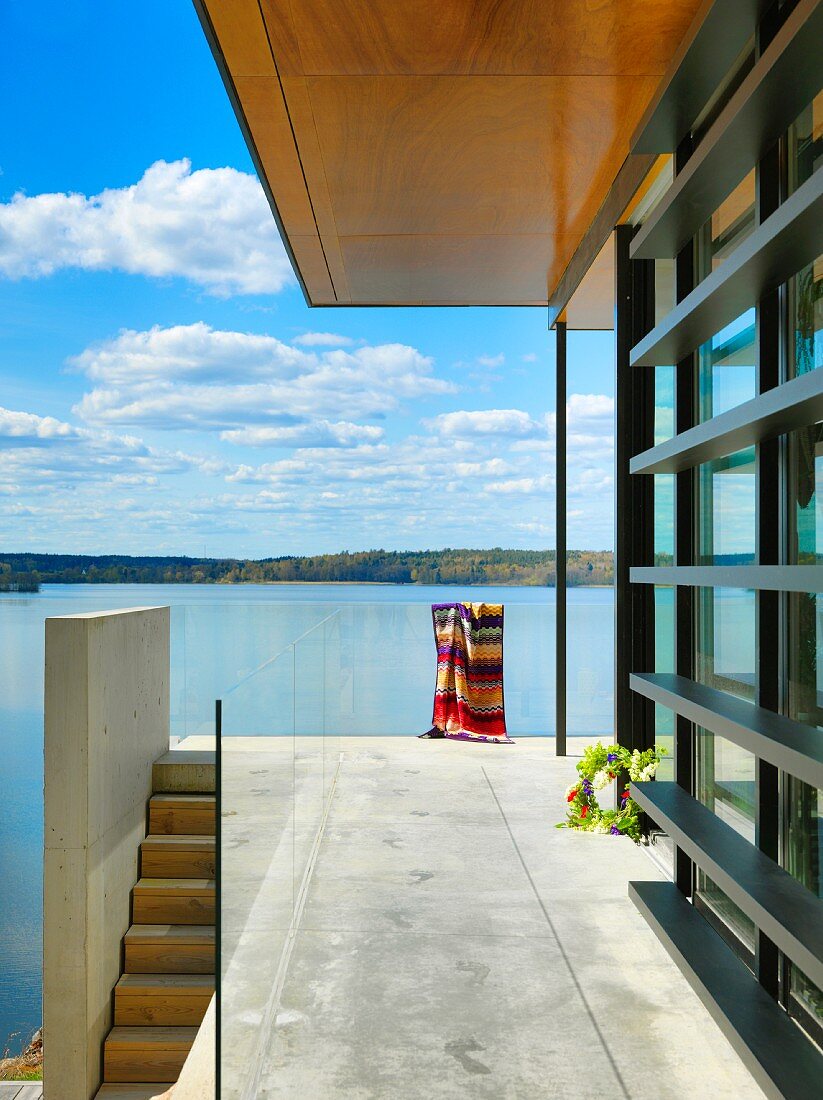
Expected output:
(805, 291)
(728, 227)
(726, 366)
(663, 628)
(726, 785)
(727, 503)
(805, 461)
(805, 149)
(664, 662)
(664, 297)
(726, 778)
(803, 839)
(664, 379)
(732, 922)
(663, 519)
(806, 143)
(726, 640)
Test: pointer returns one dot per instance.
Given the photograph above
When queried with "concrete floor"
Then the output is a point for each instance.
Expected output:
(451, 943)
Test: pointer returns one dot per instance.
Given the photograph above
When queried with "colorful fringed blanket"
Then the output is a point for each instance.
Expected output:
(468, 698)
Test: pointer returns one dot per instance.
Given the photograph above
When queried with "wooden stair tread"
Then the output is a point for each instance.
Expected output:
(192, 771)
(174, 799)
(200, 887)
(183, 841)
(162, 933)
(170, 984)
(148, 1037)
(174, 813)
(129, 1091)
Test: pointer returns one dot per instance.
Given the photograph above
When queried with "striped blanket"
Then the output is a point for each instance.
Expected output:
(468, 698)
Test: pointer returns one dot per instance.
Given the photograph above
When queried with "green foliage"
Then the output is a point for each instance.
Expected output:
(22, 1073)
(13, 581)
(449, 566)
(601, 766)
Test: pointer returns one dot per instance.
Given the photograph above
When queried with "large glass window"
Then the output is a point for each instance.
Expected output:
(727, 628)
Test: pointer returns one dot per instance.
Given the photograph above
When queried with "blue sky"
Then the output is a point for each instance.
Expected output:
(163, 386)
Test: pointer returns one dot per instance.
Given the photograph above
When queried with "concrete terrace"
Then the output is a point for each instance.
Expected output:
(450, 941)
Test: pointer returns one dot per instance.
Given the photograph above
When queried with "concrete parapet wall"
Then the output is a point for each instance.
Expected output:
(106, 722)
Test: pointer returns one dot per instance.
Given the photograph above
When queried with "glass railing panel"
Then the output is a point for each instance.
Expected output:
(590, 662)
(310, 718)
(336, 678)
(257, 857)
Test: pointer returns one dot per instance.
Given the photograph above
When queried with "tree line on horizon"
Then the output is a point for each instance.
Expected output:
(449, 566)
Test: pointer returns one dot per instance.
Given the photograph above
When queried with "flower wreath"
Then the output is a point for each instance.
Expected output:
(601, 766)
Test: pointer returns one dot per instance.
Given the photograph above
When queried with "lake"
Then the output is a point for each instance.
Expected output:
(382, 683)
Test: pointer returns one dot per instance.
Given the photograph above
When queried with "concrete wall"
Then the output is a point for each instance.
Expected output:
(106, 721)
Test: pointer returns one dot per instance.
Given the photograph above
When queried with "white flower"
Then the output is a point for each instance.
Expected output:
(601, 779)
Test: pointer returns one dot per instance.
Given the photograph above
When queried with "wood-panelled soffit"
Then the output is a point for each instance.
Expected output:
(439, 152)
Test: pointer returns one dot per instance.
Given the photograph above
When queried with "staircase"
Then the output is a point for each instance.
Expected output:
(169, 950)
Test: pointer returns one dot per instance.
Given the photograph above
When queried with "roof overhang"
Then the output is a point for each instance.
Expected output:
(439, 152)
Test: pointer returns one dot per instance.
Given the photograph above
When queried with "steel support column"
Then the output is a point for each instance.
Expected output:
(769, 179)
(633, 496)
(560, 510)
(685, 398)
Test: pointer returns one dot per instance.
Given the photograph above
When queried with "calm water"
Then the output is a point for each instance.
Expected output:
(382, 683)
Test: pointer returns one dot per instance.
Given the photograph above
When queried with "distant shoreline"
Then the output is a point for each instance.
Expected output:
(452, 566)
(324, 584)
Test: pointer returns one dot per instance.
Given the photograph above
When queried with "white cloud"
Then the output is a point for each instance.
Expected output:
(193, 376)
(530, 357)
(323, 339)
(491, 360)
(589, 406)
(27, 429)
(212, 226)
(510, 423)
(42, 453)
(319, 433)
(523, 486)
(486, 467)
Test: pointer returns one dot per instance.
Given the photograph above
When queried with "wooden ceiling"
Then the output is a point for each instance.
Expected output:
(439, 152)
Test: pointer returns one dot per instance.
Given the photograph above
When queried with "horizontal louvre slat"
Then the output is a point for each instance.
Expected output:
(784, 80)
(780, 1058)
(787, 912)
(796, 404)
(776, 250)
(792, 746)
(710, 47)
(767, 578)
